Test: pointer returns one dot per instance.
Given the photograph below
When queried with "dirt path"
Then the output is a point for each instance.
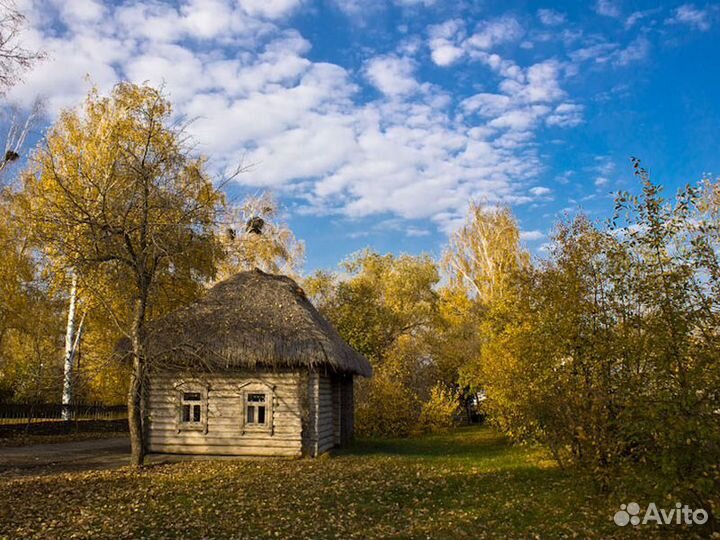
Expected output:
(64, 457)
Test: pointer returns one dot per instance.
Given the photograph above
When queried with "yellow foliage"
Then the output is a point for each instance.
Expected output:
(439, 412)
(385, 407)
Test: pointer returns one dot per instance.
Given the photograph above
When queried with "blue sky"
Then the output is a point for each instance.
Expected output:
(375, 121)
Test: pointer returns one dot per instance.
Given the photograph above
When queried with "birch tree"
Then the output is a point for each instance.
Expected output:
(254, 236)
(72, 340)
(115, 194)
(15, 58)
(484, 251)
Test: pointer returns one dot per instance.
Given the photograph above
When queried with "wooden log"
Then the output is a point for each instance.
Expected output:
(226, 450)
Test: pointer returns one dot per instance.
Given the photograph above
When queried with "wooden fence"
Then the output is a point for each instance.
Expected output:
(24, 413)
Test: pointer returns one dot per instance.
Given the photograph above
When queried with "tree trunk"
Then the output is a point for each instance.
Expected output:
(67, 395)
(136, 393)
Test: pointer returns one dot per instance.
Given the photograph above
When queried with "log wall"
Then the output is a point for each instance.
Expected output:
(224, 433)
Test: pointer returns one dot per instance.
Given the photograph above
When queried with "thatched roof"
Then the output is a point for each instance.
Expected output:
(250, 320)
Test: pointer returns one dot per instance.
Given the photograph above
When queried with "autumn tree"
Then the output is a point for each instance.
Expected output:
(15, 58)
(607, 350)
(254, 236)
(22, 294)
(480, 262)
(455, 345)
(114, 194)
(384, 306)
(484, 252)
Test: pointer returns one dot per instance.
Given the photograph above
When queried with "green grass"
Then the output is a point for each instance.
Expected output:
(466, 484)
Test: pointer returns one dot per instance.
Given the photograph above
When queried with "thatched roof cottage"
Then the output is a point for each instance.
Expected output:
(250, 369)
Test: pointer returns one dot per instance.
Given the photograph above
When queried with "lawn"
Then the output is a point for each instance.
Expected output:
(466, 484)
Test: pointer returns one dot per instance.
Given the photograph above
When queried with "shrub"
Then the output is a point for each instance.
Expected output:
(439, 412)
(385, 407)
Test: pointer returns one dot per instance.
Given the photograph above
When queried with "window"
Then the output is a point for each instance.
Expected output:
(258, 400)
(255, 409)
(191, 407)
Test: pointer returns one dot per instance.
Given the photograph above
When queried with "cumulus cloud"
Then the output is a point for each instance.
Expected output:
(450, 40)
(601, 51)
(692, 16)
(425, 3)
(492, 33)
(80, 11)
(550, 17)
(416, 232)
(530, 236)
(271, 9)
(525, 97)
(540, 191)
(637, 50)
(392, 75)
(603, 169)
(607, 8)
(637, 16)
(565, 115)
(446, 42)
(446, 54)
(305, 126)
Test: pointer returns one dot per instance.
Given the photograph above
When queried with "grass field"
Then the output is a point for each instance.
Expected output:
(466, 484)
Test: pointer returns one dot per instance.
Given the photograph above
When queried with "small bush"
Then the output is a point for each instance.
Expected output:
(385, 408)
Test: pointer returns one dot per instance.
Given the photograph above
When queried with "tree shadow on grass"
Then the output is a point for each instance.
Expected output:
(472, 442)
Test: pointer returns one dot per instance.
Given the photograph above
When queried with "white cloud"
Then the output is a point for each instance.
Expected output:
(542, 82)
(206, 19)
(270, 9)
(445, 40)
(416, 232)
(392, 75)
(360, 11)
(256, 96)
(495, 32)
(449, 41)
(527, 97)
(599, 52)
(540, 191)
(607, 8)
(601, 181)
(565, 115)
(521, 119)
(550, 17)
(488, 105)
(425, 3)
(530, 236)
(604, 168)
(445, 54)
(606, 52)
(637, 50)
(80, 11)
(636, 16)
(692, 16)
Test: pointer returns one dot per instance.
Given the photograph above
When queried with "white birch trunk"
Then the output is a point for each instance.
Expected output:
(69, 352)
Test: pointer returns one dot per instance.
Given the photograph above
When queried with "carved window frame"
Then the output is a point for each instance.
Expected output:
(197, 387)
(258, 387)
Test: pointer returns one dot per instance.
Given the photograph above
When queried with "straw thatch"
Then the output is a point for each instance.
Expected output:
(252, 320)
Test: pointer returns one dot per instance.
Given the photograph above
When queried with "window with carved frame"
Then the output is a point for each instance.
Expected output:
(192, 400)
(257, 407)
